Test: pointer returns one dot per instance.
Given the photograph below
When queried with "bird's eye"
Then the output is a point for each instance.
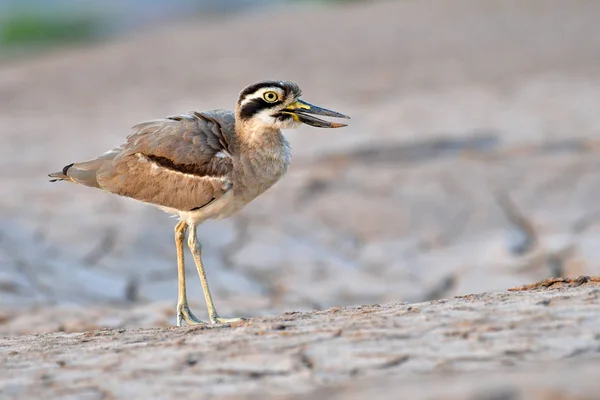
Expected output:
(270, 97)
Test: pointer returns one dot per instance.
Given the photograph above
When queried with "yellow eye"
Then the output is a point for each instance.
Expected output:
(270, 97)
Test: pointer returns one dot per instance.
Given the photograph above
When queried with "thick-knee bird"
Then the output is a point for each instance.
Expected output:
(204, 165)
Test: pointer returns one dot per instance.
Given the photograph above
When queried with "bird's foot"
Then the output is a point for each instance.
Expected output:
(215, 319)
(185, 314)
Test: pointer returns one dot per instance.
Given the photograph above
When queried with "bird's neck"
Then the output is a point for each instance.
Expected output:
(264, 155)
(255, 139)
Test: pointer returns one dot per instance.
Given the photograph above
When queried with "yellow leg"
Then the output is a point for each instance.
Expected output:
(196, 249)
(183, 310)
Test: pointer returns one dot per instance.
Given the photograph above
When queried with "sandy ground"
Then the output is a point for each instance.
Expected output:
(534, 344)
(469, 166)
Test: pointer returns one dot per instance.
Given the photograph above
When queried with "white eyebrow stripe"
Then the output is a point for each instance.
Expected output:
(260, 92)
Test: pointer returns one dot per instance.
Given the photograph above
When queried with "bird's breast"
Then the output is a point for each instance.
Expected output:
(260, 169)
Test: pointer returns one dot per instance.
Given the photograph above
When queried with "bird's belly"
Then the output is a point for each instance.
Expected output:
(222, 207)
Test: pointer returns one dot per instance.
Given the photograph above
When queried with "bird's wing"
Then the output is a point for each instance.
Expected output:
(180, 162)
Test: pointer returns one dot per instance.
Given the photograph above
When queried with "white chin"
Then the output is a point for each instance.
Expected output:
(273, 122)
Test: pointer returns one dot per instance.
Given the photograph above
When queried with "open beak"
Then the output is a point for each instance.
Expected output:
(300, 111)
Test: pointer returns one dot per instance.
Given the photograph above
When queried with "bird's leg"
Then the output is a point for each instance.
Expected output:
(183, 309)
(196, 249)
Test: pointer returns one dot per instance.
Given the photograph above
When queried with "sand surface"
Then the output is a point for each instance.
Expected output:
(539, 343)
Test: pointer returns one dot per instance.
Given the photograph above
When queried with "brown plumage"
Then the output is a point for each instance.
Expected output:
(203, 165)
(171, 162)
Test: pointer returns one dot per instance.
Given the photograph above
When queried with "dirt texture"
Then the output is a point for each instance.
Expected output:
(469, 165)
(529, 344)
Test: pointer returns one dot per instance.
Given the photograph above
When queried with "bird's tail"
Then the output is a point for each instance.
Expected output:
(62, 175)
(84, 173)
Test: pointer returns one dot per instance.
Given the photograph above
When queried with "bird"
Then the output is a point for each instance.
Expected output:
(204, 165)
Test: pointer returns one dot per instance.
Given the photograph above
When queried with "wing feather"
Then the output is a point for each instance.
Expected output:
(171, 162)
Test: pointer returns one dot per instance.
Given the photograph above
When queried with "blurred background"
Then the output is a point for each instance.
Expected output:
(470, 163)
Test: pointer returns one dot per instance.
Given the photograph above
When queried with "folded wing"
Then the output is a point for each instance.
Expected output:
(180, 162)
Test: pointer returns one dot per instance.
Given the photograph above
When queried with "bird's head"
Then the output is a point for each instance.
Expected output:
(277, 105)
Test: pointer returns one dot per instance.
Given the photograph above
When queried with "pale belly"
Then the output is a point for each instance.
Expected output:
(223, 207)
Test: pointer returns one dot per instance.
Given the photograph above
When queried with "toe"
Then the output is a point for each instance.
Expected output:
(185, 314)
(219, 320)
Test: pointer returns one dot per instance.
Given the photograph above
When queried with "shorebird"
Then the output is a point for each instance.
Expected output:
(203, 165)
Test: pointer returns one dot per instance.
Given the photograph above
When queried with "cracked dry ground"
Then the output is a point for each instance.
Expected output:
(540, 342)
(470, 163)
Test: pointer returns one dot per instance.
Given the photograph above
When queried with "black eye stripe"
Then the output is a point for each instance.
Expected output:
(255, 106)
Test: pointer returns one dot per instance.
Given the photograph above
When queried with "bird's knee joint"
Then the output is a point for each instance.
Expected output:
(179, 234)
(180, 230)
(194, 244)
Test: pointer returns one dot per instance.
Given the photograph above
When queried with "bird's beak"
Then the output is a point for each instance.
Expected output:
(300, 110)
